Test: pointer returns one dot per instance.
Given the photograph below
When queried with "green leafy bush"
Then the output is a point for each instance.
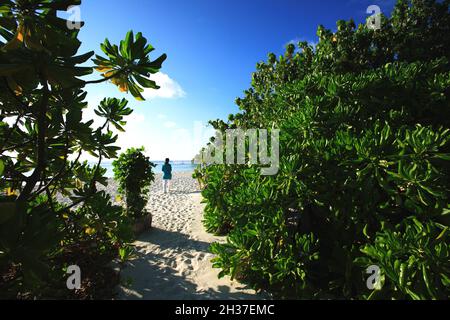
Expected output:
(414, 259)
(42, 139)
(364, 173)
(133, 171)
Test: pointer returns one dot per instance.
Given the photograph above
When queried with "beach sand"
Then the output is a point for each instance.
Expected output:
(173, 261)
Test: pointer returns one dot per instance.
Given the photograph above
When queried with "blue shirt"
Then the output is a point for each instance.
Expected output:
(167, 169)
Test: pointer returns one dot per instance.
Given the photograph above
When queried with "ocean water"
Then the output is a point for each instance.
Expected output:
(177, 166)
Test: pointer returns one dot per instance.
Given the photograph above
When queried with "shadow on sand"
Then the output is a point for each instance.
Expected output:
(155, 276)
(176, 241)
(184, 192)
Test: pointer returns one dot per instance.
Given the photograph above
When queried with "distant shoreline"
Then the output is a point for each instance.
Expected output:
(177, 167)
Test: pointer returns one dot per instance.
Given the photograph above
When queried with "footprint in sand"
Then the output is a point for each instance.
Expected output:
(176, 256)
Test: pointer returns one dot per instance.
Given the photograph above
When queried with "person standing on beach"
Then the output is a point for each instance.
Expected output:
(167, 169)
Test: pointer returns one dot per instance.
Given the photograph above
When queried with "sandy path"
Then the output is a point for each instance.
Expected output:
(173, 261)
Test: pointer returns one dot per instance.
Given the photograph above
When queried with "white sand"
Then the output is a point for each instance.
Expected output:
(173, 260)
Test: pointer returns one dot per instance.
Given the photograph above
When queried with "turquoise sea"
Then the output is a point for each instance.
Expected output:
(177, 166)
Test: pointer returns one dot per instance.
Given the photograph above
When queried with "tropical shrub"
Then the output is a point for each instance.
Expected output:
(364, 173)
(133, 171)
(52, 213)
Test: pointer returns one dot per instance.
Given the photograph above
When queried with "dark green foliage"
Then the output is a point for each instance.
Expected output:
(42, 138)
(414, 259)
(133, 171)
(364, 165)
(27, 234)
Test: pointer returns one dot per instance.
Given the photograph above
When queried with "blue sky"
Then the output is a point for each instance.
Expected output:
(212, 46)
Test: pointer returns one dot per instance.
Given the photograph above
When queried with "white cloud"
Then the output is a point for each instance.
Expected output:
(170, 124)
(135, 118)
(162, 116)
(170, 89)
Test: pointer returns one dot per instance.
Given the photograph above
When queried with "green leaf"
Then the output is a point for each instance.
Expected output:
(156, 64)
(366, 231)
(61, 5)
(6, 8)
(2, 168)
(445, 280)
(135, 92)
(125, 46)
(81, 58)
(441, 235)
(443, 156)
(146, 83)
(426, 279)
(402, 275)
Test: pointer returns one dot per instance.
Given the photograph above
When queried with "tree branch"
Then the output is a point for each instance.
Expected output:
(118, 73)
(16, 124)
(9, 134)
(16, 146)
(61, 173)
(41, 143)
(91, 193)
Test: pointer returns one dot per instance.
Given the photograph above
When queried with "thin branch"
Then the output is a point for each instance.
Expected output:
(118, 73)
(64, 172)
(16, 146)
(10, 132)
(41, 143)
(74, 204)
(66, 154)
(50, 200)
(91, 193)
(97, 169)
(19, 117)
(59, 175)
